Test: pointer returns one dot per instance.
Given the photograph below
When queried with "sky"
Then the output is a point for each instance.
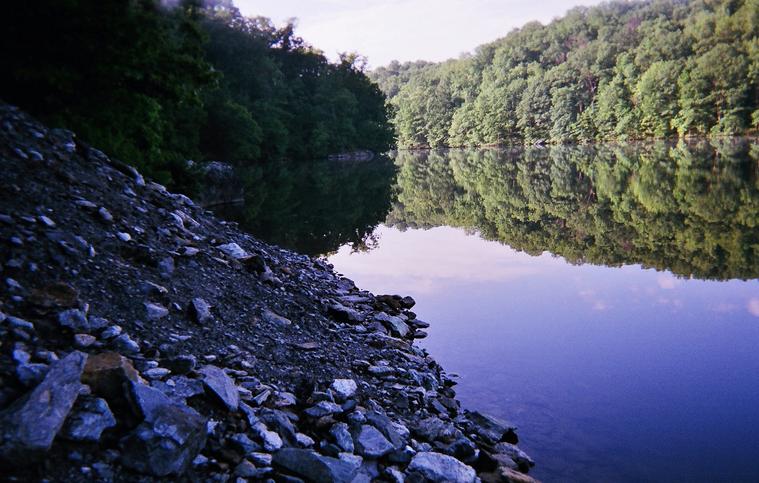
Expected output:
(385, 30)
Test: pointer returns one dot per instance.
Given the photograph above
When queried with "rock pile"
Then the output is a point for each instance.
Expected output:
(187, 348)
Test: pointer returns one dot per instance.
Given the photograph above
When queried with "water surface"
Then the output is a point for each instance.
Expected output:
(604, 299)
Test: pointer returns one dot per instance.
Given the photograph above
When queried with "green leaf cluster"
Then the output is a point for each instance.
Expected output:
(617, 71)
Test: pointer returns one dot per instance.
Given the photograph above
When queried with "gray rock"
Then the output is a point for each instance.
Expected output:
(260, 459)
(234, 250)
(323, 408)
(520, 457)
(270, 439)
(342, 437)
(166, 267)
(181, 364)
(304, 440)
(156, 373)
(371, 443)
(199, 311)
(394, 324)
(389, 430)
(105, 215)
(90, 417)
(343, 389)
(218, 383)
(437, 467)
(279, 421)
(125, 344)
(167, 442)
(156, 311)
(314, 467)
(341, 313)
(435, 429)
(31, 423)
(275, 319)
(30, 374)
(123, 236)
(492, 429)
(111, 332)
(381, 371)
(74, 319)
(82, 341)
(242, 442)
(179, 388)
(18, 323)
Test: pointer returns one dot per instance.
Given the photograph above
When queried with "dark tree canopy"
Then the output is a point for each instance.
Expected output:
(156, 83)
(621, 70)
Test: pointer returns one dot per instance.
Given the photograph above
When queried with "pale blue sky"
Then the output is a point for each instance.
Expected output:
(384, 30)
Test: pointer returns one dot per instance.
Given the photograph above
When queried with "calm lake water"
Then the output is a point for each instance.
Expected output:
(604, 299)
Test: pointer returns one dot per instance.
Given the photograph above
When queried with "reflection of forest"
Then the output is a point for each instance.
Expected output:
(689, 208)
(315, 207)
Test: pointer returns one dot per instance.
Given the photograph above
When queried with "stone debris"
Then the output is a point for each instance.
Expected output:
(302, 376)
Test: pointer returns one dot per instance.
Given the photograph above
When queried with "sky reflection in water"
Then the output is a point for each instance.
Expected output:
(612, 374)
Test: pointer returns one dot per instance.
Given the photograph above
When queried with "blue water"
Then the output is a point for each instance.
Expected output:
(612, 374)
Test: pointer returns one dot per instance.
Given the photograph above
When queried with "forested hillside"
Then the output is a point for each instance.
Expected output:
(622, 70)
(158, 82)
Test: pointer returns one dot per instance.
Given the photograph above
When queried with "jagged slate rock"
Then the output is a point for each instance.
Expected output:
(31, 374)
(323, 408)
(270, 439)
(407, 302)
(369, 442)
(275, 319)
(90, 417)
(125, 344)
(282, 425)
(515, 453)
(180, 364)
(111, 332)
(462, 449)
(234, 250)
(74, 319)
(304, 440)
(166, 267)
(341, 313)
(492, 429)
(418, 324)
(260, 459)
(394, 324)
(167, 444)
(218, 383)
(82, 341)
(179, 388)
(242, 442)
(199, 311)
(18, 323)
(155, 311)
(381, 371)
(283, 399)
(30, 424)
(342, 437)
(438, 467)
(147, 400)
(246, 469)
(98, 323)
(343, 389)
(313, 466)
(402, 456)
(388, 429)
(156, 373)
(435, 429)
(509, 475)
(394, 475)
(106, 373)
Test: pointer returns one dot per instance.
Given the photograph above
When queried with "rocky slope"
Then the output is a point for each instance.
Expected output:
(145, 339)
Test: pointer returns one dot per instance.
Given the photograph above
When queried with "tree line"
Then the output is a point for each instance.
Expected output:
(618, 71)
(156, 83)
(691, 208)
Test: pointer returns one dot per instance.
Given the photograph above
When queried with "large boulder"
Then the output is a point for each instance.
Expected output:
(30, 425)
(313, 466)
(437, 467)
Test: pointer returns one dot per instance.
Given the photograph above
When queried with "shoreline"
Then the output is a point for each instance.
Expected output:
(165, 342)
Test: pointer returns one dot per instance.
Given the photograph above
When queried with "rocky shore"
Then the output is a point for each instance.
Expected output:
(143, 339)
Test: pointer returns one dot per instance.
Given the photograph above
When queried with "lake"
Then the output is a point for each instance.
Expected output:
(605, 299)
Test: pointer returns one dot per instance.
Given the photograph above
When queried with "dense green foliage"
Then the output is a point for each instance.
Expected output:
(158, 82)
(315, 207)
(621, 70)
(692, 208)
